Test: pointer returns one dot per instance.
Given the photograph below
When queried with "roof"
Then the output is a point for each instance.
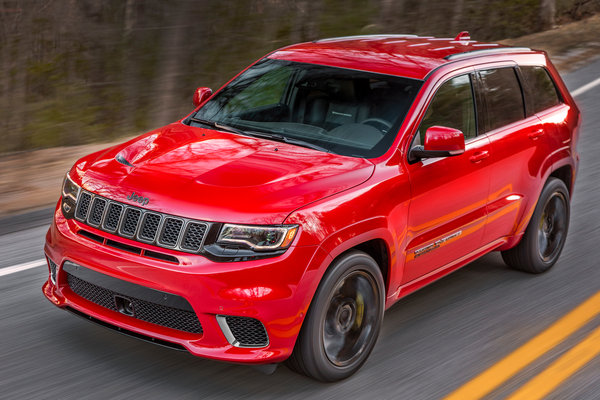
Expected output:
(405, 55)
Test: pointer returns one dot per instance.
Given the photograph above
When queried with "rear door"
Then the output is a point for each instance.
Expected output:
(518, 150)
(448, 207)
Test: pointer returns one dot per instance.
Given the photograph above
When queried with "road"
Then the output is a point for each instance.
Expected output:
(432, 342)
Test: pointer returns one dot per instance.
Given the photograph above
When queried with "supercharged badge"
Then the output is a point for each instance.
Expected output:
(436, 244)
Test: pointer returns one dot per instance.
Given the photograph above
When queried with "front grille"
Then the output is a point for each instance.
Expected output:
(150, 226)
(111, 222)
(170, 231)
(98, 207)
(83, 205)
(243, 331)
(192, 240)
(130, 221)
(154, 313)
(139, 224)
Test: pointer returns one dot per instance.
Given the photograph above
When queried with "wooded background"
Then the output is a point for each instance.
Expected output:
(77, 71)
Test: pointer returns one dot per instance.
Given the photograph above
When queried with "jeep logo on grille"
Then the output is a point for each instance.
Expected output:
(140, 199)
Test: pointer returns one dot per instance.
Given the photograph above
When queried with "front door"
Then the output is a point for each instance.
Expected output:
(447, 213)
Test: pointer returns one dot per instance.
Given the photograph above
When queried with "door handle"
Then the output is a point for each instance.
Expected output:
(535, 134)
(479, 156)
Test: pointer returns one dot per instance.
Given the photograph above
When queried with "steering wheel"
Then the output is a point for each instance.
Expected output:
(378, 123)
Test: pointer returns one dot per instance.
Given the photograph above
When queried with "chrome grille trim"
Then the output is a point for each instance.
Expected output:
(134, 219)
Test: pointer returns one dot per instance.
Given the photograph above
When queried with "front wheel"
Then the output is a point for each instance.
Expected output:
(344, 320)
(546, 233)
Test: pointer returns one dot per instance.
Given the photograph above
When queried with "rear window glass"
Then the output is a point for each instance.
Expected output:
(541, 88)
(503, 97)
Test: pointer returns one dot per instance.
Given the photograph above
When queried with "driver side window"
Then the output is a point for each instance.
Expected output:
(453, 106)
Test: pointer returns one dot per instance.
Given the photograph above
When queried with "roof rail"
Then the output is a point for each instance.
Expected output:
(485, 52)
(364, 37)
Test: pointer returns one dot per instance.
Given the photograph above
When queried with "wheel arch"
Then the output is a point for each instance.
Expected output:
(376, 241)
(565, 171)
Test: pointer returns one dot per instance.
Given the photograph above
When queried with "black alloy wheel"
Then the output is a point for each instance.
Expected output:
(344, 320)
(546, 233)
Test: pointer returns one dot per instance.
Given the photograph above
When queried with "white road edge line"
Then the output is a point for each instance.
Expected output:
(22, 267)
(585, 87)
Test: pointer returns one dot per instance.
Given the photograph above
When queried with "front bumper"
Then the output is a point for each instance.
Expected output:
(275, 291)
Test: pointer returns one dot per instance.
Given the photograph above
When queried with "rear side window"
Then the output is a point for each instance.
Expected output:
(452, 107)
(542, 91)
(503, 97)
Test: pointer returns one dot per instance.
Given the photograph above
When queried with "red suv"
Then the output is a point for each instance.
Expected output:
(320, 185)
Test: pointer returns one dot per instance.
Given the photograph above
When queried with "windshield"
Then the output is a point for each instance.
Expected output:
(347, 112)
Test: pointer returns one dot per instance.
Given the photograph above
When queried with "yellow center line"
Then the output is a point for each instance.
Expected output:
(510, 365)
(561, 369)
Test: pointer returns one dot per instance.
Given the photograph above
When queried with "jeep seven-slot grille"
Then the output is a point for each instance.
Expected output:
(154, 313)
(138, 224)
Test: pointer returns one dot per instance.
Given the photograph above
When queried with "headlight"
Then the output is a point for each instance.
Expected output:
(70, 191)
(258, 237)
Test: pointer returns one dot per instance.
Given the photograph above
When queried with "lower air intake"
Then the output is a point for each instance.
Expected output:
(86, 285)
(243, 331)
(53, 268)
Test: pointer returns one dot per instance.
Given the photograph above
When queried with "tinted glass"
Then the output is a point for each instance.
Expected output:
(541, 88)
(348, 112)
(453, 107)
(503, 97)
(267, 89)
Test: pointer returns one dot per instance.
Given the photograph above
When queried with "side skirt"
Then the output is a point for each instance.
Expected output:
(433, 276)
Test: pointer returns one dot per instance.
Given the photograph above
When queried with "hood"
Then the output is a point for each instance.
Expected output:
(218, 176)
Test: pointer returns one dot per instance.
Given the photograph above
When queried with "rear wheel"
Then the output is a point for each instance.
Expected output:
(546, 233)
(344, 320)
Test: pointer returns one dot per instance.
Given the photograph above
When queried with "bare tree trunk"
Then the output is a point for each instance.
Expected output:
(14, 61)
(170, 65)
(547, 13)
(455, 27)
(130, 83)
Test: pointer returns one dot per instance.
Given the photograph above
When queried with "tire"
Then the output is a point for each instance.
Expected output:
(546, 233)
(347, 309)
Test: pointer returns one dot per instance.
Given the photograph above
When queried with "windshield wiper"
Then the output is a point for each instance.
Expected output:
(218, 125)
(264, 135)
(286, 139)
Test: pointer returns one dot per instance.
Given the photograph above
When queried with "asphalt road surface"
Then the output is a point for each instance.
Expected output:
(432, 343)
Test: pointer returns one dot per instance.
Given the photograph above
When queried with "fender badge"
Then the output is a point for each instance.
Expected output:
(436, 244)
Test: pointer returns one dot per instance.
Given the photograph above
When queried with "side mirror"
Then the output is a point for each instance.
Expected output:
(201, 95)
(440, 141)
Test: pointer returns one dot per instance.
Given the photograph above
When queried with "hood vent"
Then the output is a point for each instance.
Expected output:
(119, 157)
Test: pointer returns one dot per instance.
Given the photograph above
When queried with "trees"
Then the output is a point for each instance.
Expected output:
(74, 71)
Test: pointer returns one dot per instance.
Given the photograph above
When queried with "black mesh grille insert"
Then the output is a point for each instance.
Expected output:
(130, 221)
(83, 205)
(111, 222)
(158, 314)
(247, 331)
(98, 207)
(149, 226)
(193, 236)
(170, 231)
